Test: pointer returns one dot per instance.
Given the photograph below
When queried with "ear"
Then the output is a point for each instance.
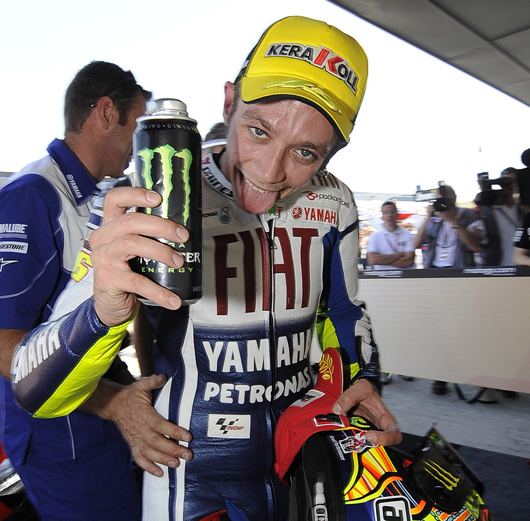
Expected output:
(105, 111)
(230, 89)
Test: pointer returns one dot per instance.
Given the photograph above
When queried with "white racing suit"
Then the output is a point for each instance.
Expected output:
(237, 358)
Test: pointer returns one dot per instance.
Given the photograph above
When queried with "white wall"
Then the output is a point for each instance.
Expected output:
(464, 327)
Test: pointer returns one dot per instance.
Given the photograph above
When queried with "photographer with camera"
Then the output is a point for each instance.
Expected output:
(449, 234)
(502, 215)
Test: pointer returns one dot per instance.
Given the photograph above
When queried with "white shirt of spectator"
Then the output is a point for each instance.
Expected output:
(386, 242)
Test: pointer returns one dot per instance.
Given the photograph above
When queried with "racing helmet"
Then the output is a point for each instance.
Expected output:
(336, 475)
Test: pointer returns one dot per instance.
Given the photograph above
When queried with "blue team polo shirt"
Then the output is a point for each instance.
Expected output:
(43, 214)
(77, 466)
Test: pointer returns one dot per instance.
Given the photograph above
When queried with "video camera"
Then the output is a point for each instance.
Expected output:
(493, 191)
(440, 204)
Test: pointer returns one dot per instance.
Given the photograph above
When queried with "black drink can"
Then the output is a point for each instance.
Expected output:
(167, 154)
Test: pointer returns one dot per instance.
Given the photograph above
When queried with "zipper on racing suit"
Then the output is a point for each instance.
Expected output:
(268, 222)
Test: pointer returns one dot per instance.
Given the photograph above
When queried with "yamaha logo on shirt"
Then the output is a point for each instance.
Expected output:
(228, 426)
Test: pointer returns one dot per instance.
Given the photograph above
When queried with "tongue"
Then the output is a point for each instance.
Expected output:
(257, 202)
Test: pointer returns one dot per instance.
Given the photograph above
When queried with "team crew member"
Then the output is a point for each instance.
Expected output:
(75, 467)
(280, 250)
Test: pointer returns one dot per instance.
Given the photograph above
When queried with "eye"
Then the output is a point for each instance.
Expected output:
(258, 132)
(307, 155)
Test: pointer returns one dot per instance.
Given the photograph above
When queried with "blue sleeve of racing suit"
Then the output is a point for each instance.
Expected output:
(343, 320)
(57, 366)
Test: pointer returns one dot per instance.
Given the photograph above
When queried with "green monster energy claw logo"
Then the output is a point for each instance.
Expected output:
(449, 481)
(167, 153)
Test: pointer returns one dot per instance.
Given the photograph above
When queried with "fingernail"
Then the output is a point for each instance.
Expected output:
(337, 409)
(174, 302)
(186, 437)
(159, 473)
(177, 260)
(182, 234)
(173, 464)
(371, 438)
(152, 196)
(187, 456)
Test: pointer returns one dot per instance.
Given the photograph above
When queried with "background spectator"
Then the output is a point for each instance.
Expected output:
(392, 247)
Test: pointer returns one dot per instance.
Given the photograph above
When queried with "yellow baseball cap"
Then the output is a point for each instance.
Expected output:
(312, 61)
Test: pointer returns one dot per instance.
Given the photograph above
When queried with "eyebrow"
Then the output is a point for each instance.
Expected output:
(252, 116)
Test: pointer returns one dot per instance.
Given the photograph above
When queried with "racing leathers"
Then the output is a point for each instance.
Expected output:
(241, 355)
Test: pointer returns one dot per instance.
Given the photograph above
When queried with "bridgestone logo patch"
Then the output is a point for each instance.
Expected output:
(18, 247)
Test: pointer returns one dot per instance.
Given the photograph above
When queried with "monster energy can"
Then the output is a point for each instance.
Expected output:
(167, 152)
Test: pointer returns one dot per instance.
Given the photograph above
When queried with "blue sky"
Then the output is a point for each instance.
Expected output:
(422, 121)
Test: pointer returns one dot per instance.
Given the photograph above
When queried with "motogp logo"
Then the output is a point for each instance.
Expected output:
(228, 426)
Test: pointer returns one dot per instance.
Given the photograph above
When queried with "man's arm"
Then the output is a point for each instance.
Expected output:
(521, 256)
(419, 239)
(363, 398)
(402, 259)
(58, 364)
(345, 324)
(470, 234)
(9, 338)
(30, 279)
(151, 437)
(121, 237)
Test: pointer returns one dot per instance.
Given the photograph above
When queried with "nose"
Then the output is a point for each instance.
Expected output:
(271, 167)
